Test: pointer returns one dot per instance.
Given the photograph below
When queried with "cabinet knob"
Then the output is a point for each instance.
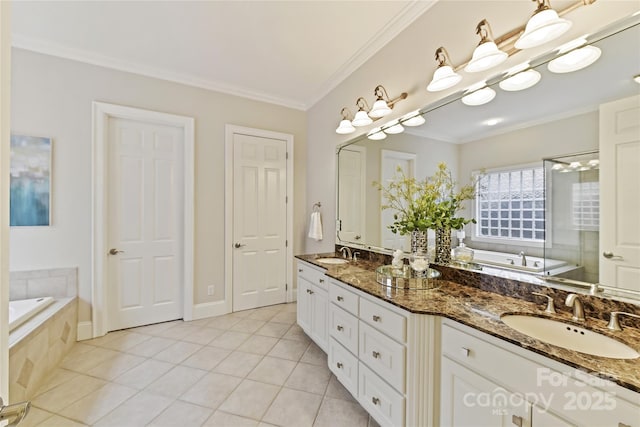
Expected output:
(308, 291)
(339, 328)
(300, 270)
(311, 292)
(375, 354)
(376, 318)
(339, 365)
(321, 280)
(339, 298)
(375, 400)
(516, 420)
(464, 351)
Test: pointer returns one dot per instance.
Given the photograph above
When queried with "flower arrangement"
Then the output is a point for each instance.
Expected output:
(432, 203)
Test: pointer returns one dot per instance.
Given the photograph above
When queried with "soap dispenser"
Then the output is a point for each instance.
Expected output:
(462, 253)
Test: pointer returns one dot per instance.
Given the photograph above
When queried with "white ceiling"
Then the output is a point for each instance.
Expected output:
(290, 53)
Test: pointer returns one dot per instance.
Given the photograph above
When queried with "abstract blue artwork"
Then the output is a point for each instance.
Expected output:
(30, 191)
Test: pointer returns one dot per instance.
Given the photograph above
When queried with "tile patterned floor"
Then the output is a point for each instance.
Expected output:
(251, 368)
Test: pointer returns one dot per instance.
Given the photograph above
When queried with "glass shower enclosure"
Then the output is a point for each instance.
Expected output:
(572, 215)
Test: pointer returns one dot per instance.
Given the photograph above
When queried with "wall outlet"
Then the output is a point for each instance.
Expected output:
(209, 290)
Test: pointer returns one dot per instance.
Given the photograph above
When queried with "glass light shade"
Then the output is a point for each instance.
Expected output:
(443, 78)
(361, 119)
(557, 167)
(636, 79)
(575, 60)
(520, 81)
(379, 109)
(541, 28)
(345, 127)
(413, 119)
(376, 134)
(394, 128)
(479, 97)
(485, 56)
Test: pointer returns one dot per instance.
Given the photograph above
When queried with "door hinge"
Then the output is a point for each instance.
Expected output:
(286, 243)
(286, 286)
(286, 199)
(287, 155)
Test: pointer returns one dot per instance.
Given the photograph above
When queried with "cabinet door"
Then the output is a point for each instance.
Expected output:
(319, 317)
(304, 306)
(468, 399)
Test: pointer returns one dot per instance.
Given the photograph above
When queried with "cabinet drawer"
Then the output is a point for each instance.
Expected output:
(344, 365)
(475, 353)
(383, 355)
(343, 298)
(344, 328)
(385, 404)
(383, 319)
(312, 274)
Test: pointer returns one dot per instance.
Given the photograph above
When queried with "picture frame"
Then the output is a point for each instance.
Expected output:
(30, 181)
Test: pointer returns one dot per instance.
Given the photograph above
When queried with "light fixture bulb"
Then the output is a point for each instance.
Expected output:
(557, 167)
(444, 78)
(393, 128)
(376, 134)
(521, 81)
(485, 56)
(636, 79)
(361, 119)
(345, 127)
(479, 96)
(379, 109)
(575, 60)
(413, 119)
(545, 25)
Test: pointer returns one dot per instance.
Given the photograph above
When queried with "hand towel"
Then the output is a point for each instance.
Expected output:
(315, 226)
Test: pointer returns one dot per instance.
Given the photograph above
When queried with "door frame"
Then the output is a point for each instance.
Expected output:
(230, 130)
(101, 113)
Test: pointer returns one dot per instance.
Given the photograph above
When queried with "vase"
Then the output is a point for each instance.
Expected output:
(443, 246)
(418, 241)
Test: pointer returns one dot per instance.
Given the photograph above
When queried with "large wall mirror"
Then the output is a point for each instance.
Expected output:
(557, 117)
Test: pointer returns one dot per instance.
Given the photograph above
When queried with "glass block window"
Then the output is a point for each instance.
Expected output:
(585, 202)
(510, 205)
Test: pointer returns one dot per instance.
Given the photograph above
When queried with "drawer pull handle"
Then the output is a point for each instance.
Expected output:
(311, 292)
(465, 351)
(300, 270)
(375, 354)
(376, 318)
(375, 400)
(308, 291)
(339, 328)
(516, 420)
(339, 298)
(321, 280)
(339, 365)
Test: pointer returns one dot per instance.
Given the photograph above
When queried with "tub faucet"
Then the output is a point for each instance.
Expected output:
(346, 250)
(524, 258)
(578, 310)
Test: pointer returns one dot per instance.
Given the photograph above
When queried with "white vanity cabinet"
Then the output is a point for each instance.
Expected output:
(313, 303)
(486, 381)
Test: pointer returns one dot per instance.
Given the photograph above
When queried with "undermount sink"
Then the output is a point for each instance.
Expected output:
(332, 260)
(569, 336)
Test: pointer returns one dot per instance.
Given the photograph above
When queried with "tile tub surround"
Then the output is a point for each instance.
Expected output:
(208, 372)
(37, 347)
(53, 282)
(478, 305)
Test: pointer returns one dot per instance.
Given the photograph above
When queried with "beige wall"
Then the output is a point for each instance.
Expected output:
(52, 97)
(406, 64)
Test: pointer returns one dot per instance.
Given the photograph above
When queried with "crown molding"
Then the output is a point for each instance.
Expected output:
(45, 47)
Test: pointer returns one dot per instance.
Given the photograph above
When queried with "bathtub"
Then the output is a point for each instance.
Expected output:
(514, 261)
(22, 310)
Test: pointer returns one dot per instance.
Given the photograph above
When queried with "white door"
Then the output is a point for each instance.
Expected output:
(390, 163)
(620, 195)
(145, 235)
(259, 221)
(351, 194)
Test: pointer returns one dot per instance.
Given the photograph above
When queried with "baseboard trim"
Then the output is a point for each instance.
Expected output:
(85, 330)
(210, 309)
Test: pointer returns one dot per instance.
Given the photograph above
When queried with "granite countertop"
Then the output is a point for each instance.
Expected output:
(482, 310)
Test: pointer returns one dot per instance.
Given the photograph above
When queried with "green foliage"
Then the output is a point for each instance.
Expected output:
(428, 204)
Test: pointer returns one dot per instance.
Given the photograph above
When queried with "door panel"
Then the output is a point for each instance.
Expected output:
(351, 194)
(259, 226)
(145, 217)
(391, 162)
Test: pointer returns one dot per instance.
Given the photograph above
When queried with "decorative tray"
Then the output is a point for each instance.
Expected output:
(407, 278)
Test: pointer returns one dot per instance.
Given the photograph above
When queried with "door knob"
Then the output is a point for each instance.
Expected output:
(114, 251)
(610, 255)
(238, 245)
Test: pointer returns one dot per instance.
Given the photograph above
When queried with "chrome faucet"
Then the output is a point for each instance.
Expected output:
(578, 310)
(346, 250)
(524, 258)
